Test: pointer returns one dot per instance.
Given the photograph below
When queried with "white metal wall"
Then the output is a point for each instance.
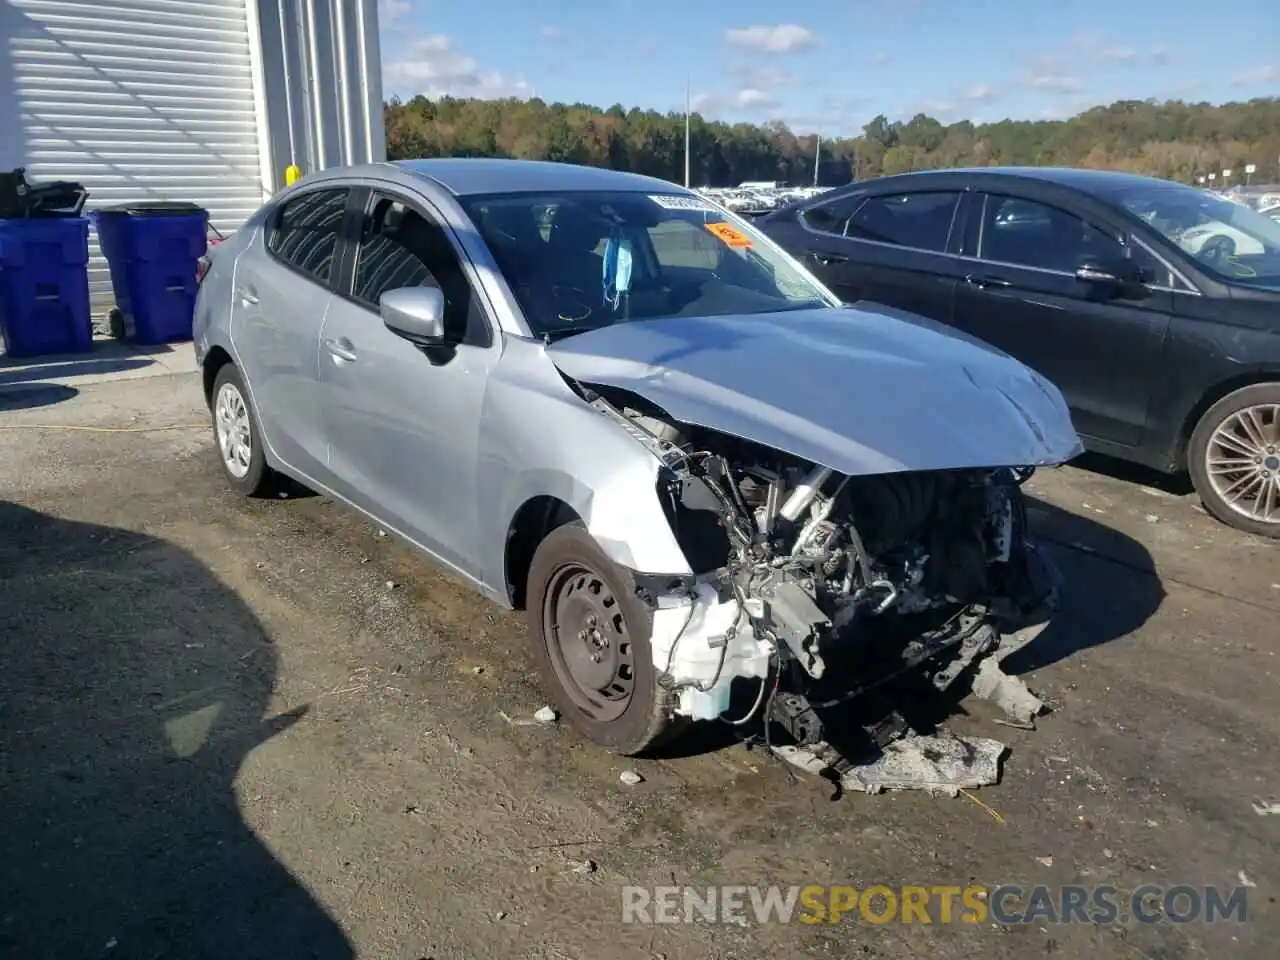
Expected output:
(200, 100)
(136, 99)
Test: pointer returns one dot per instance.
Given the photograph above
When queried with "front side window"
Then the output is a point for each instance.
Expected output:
(305, 231)
(401, 248)
(1026, 233)
(1228, 239)
(581, 260)
(918, 220)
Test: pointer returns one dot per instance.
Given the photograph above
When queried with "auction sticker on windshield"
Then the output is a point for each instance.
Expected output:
(671, 201)
(732, 237)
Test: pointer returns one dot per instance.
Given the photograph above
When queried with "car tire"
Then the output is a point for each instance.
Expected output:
(571, 581)
(1224, 430)
(237, 437)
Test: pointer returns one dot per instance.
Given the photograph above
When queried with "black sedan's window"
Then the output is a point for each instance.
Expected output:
(921, 221)
(1030, 234)
(305, 231)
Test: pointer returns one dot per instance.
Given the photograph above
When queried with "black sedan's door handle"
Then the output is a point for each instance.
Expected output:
(986, 283)
(827, 259)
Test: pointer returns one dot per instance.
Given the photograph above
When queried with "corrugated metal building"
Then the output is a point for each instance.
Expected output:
(201, 100)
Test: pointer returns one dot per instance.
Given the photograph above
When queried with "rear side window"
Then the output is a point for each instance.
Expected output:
(305, 232)
(830, 217)
(921, 221)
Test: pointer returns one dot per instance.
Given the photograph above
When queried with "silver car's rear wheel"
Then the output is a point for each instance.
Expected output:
(1234, 457)
(235, 435)
(236, 431)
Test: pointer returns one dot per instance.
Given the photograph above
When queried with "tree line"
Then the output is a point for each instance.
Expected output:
(1173, 139)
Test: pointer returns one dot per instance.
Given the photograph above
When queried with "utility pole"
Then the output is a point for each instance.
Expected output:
(686, 131)
(817, 155)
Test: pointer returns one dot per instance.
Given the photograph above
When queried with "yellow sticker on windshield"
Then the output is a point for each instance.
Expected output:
(730, 236)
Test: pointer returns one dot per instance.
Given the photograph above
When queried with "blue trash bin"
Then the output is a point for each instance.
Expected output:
(152, 250)
(44, 286)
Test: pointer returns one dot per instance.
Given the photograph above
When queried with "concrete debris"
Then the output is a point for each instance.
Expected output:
(1108, 853)
(1008, 693)
(1262, 809)
(391, 584)
(1045, 861)
(546, 715)
(943, 764)
(1244, 879)
(630, 778)
(477, 670)
(500, 915)
(1152, 518)
(585, 867)
(382, 533)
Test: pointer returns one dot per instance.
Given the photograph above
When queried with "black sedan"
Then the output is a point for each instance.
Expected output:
(1154, 306)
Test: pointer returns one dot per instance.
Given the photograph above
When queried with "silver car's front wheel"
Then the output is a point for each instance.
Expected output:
(235, 435)
(236, 432)
(1234, 458)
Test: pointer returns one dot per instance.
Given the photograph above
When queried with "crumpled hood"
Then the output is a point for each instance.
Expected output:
(862, 390)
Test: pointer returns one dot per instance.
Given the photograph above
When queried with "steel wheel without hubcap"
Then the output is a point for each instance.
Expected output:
(587, 640)
(235, 439)
(1242, 461)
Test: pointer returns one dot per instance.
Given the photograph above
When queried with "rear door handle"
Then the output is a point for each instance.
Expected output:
(827, 259)
(248, 296)
(341, 350)
(986, 283)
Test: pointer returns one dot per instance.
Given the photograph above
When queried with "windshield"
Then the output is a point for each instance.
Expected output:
(582, 260)
(1229, 239)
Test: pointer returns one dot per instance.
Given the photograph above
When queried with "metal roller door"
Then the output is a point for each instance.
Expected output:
(138, 100)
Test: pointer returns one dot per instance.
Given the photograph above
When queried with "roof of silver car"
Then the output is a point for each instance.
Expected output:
(467, 176)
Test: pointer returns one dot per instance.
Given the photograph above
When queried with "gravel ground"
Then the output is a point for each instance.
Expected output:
(259, 729)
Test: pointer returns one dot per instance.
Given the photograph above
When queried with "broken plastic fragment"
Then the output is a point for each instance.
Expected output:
(546, 715)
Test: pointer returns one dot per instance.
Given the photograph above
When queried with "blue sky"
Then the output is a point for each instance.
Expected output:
(834, 64)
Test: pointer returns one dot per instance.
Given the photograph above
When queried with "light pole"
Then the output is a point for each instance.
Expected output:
(687, 103)
(817, 155)
(1249, 170)
(1226, 175)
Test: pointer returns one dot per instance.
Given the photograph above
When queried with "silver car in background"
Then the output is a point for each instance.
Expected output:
(606, 401)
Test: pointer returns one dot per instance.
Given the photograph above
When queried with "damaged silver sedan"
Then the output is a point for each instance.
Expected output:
(606, 401)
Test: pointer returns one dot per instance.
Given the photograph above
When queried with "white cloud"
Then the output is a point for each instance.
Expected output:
(1047, 74)
(435, 66)
(752, 99)
(704, 101)
(881, 60)
(1117, 55)
(551, 32)
(389, 11)
(979, 93)
(784, 38)
(762, 76)
(1258, 75)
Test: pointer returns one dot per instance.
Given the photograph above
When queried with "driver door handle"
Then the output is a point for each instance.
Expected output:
(827, 259)
(986, 283)
(248, 296)
(342, 349)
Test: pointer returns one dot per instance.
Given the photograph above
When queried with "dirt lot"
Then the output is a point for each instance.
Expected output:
(260, 730)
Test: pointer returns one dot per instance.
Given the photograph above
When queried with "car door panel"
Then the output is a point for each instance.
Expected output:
(890, 256)
(402, 423)
(1100, 350)
(281, 298)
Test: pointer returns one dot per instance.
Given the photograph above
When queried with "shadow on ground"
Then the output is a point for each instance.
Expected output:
(1177, 484)
(132, 687)
(1110, 585)
(29, 396)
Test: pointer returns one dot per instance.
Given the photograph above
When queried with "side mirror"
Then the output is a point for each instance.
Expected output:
(415, 313)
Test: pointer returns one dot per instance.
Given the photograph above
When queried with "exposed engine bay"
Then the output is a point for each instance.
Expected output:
(822, 588)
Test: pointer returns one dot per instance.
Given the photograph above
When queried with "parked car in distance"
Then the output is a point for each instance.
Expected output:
(608, 402)
(1154, 306)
